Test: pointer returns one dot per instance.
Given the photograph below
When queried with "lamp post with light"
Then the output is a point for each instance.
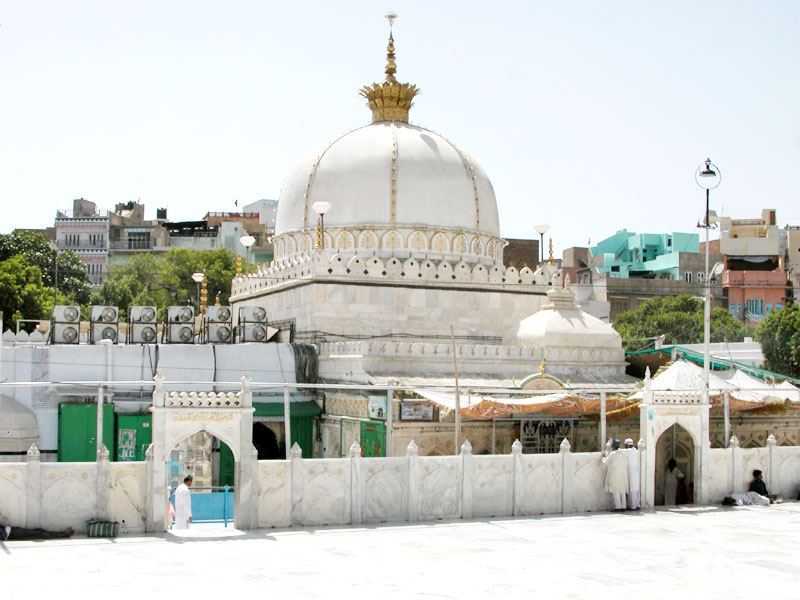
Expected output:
(321, 207)
(708, 177)
(541, 230)
(198, 278)
(247, 241)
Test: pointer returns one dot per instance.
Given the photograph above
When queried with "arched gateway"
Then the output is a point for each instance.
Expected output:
(661, 410)
(226, 416)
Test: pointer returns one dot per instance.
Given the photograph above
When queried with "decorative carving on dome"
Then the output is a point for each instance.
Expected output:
(392, 240)
(511, 275)
(440, 243)
(394, 268)
(367, 240)
(428, 270)
(462, 272)
(459, 244)
(480, 274)
(444, 272)
(375, 267)
(356, 267)
(476, 247)
(526, 275)
(496, 274)
(345, 241)
(418, 241)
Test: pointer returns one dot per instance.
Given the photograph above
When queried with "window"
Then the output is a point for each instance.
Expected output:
(688, 277)
(615, 269)
(669, 242)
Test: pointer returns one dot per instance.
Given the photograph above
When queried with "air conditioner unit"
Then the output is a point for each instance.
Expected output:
(218, 326)
(219, 333)
(219, 314)
(252, 314)
(66, 324)
(66, 314)
(180, 314)
(180, 325)
(104, 324)
(142, 328)
(143, 314)
(253, 332)
(105, 314)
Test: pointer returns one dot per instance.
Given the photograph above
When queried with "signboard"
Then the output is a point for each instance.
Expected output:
(416, 411)
(126, 444)
(377, 407)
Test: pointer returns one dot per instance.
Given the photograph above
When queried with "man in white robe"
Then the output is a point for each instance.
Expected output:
(616, 481)
(634, 495)
(183, 504)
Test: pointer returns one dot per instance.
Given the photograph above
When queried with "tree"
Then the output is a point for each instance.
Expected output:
(779, 335)
(22, 293)
(63, 266)
(679, 319)
(147, 279)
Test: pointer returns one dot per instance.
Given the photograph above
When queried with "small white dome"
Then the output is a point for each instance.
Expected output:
(390, 174)
(561, 324)
(18, 426)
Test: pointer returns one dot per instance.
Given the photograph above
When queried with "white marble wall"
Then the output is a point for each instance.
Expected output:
(354, 490)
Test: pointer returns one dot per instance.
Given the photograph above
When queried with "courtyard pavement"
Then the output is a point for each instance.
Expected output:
(688, 552)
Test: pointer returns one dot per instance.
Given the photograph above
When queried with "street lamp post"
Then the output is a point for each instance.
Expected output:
(707, 177)
(321, 207)
(198, 279)
(247, 241)
(541, 230)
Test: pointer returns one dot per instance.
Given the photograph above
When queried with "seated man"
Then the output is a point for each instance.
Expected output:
(757, 485)
(11, 533)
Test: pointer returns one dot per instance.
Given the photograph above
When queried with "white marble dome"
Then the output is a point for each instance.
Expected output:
(390, 176)
(18, 426)
(560, 324)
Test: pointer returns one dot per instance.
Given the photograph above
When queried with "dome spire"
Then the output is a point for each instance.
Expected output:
(390, 100)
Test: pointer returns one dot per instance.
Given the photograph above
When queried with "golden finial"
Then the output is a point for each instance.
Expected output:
(541, 367)
(390, 100)
(551, 259)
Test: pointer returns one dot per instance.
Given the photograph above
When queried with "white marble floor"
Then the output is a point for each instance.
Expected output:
(746, 552)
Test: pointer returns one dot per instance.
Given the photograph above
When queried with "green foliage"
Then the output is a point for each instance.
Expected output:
(167, 279)
(64, 266)
(22, 293)
(679, 319)
(779, 335)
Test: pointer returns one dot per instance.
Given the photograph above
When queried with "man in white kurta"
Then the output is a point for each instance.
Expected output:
(616, 482)
(183, 504)
(634, 495)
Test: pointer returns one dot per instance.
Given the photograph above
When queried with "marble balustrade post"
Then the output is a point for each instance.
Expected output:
(296, 484)
(735, 457)
(567, 476)
(356, 486)
(467, 467)
(413, 494)
(33, 489)
(517, 484)
(772, 475)
(102, 485)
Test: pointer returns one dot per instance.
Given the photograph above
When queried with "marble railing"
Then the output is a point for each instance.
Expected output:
(336, 265)
(355, 490)
(400, 349)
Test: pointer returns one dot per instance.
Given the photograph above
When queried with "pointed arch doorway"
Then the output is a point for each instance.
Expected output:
(177, 416)
(675, 443)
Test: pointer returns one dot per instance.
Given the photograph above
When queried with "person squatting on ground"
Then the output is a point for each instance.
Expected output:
(756, 494)
(634, 495)
(616, 481)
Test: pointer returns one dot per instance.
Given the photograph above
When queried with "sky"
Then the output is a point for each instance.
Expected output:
(587, 116)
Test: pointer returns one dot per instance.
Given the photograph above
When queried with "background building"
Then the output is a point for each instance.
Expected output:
(754, 280)
(85, 231)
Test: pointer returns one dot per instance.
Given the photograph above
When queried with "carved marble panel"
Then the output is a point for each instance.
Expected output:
(438, 485)
(323, 491)
(126, 497)
(492, 486)
(274, 503)
(12, 493)
(68, 495)
(540, 489)
(385, 489)
(588, 476)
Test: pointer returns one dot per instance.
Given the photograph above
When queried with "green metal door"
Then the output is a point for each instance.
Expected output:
(134, 434)
(303, 434)
(77, 432)
(226, 465)
(373, 438)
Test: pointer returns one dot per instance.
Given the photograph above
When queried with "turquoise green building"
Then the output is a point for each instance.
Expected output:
(644, 255)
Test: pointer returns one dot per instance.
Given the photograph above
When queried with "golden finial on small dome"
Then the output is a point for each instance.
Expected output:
(390, 100)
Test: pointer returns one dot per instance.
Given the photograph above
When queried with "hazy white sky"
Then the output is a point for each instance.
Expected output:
(588, 116)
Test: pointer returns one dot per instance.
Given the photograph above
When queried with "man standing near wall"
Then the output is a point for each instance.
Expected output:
(632, 454)
(616, 482)
(183, 504)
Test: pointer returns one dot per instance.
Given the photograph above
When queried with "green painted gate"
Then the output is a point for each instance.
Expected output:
(373, 438)
(134, 434)
(77, 432)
